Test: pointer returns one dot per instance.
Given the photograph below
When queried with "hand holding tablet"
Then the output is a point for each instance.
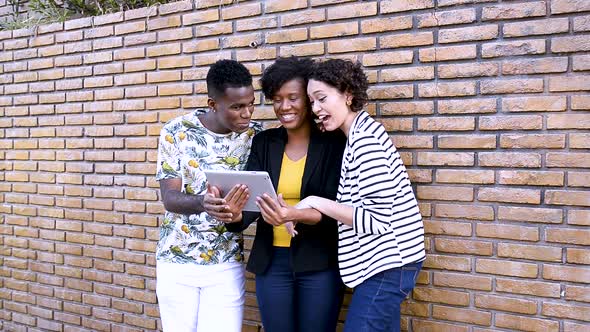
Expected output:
(258, 183)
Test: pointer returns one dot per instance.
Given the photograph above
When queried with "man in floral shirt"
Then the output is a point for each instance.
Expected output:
(200, 278)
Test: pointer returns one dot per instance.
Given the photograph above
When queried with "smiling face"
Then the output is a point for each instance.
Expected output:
(329, 104)
(290, 105)
(233, 109)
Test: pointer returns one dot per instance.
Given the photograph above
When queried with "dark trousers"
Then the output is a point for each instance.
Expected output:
(375, 305)
(298, 302)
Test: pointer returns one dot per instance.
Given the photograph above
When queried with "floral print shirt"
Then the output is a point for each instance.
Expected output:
(185, 149)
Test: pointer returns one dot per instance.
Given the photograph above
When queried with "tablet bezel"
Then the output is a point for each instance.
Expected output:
(258, 183)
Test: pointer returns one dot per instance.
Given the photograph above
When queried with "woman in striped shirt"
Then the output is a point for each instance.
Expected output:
(381, 236)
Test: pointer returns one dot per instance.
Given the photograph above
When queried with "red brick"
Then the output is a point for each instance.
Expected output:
(411, 141)
(568, 121)
(498, 159)
(573, 327)
(511, 86)
(353, 10)
(447, 228)
(540, 215)
(510, 122)
(467, 141)
(140, 321)
(352, 45)
(506, 304)
(449, 17)
(464, 212)
(391, 92)
(568, 83)
(456, 280)
(446, 89)
(571, 236)
(427, 326)
(558, 197)
(164, 22)
(507, 268)
(534, 104)
(247, 10)
(462, 315)
(566, 273)
(536, 66)
(536, 27)
(464, 106)
(482, 32)
(578, 179)
(528, 287)
(441, 296)
(179, 6)
(581, 63)
(563, 310)
(511, 11)
(570, 44)
(578, 217)
(256, 54)
(529, 252)
(386, 24)
(258, 23)
(405, 5)
(578, 256)
(527, 141)
(407, 108)
(508, 232)
(463, 246)
(529, 196)
(582, 23)
(308, 16)
(406, 40)
(407, 74)
(464, 194)
(446, 158)
(531, 178)
(468, 70)
(521, 47)
(568, 6)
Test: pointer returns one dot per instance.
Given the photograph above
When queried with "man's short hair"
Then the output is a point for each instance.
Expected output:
(225, 74)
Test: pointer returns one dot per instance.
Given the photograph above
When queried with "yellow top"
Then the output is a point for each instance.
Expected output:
(290, 187)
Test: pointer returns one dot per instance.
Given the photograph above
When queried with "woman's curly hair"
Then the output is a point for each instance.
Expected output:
(346, 76)
(283, 71)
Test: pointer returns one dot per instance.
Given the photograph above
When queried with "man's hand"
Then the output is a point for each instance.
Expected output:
(236, 199)
(216, 206)
(274, 212)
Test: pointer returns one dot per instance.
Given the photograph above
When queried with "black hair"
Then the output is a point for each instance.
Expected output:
(225, 74)
(283, 71)
(346, 76)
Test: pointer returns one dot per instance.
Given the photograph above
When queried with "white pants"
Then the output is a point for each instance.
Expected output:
(200, 298)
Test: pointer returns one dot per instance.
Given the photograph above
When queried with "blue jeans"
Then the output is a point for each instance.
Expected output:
(305, 302)
(375, 304)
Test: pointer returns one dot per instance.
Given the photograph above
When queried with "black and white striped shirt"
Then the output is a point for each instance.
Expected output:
(387, 229)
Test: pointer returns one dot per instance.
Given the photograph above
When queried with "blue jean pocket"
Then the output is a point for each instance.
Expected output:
(408, 276)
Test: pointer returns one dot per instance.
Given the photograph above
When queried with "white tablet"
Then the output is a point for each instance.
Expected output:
(258, 183)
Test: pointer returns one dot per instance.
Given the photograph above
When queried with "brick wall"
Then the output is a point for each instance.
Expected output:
(488, 103)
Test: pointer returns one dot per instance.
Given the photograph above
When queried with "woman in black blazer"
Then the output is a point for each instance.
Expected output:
(298, 286)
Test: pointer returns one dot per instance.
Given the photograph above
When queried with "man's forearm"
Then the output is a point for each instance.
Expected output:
(178, 202)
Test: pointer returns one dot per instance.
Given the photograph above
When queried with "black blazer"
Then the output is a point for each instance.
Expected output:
(315, 248)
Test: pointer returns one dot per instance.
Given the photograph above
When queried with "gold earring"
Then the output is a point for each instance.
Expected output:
(348, 102)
